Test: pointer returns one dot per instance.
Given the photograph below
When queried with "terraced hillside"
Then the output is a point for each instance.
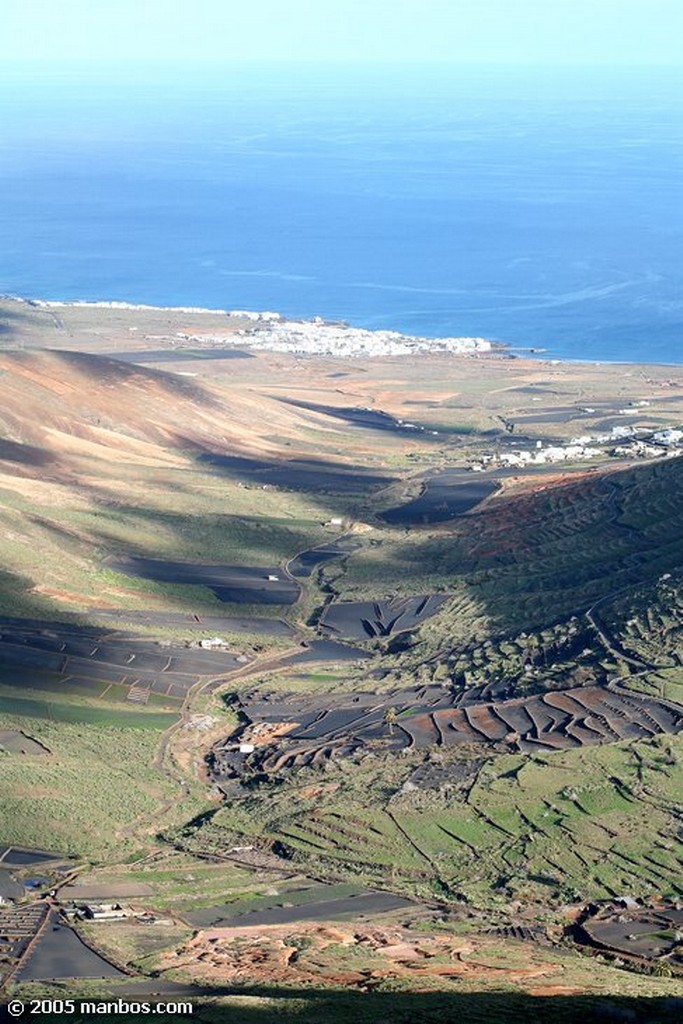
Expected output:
(311, 730)
(573, 677)
(470, 823)
(549, 549)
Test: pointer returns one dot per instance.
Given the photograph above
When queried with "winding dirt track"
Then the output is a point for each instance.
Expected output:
(162, 762)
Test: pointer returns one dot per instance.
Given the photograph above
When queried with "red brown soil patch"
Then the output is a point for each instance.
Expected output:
(554, 990)
(264, 733)
(314, 953)
(65, 597)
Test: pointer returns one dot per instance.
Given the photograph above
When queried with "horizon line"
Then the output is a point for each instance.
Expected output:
(325, 61)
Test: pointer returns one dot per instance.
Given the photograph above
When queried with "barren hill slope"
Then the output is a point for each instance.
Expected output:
(45, 395)
(98, 456)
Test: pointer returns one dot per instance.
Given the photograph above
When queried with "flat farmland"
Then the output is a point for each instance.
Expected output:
(59, 954)
(71, 658)
(230, 583)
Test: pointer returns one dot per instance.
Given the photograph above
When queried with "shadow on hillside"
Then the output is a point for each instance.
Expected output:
(316, 475)
(19, 600)
(26, 454)
(203, 538)
(7, 318)
(113, 371)
(531, 560)
(319, 1006)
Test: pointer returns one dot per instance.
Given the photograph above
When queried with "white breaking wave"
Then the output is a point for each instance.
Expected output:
(48, 303)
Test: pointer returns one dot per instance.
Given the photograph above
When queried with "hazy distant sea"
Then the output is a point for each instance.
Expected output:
(538, 208)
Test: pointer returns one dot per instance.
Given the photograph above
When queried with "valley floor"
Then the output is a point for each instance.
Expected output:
(323, 687)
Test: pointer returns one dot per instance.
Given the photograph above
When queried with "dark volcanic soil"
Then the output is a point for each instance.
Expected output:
(447, 494)
(234, 584)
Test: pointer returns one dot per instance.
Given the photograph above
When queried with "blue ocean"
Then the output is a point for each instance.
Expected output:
(536, 207)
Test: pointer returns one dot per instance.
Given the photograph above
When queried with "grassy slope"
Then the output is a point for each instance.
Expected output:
(536, 556)
(97, 781)
(575, 825)
(101, 459)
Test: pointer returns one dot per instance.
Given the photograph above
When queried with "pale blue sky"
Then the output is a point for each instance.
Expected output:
(460, 31)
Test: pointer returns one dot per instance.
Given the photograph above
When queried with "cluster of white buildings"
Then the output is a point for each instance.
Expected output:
(552, 453)
(629, 442)
(316, 337)
(620, 442)
(267, 330)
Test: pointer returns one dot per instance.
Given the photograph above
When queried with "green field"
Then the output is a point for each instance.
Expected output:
(55, 708)
(88, 795)
(578, 825)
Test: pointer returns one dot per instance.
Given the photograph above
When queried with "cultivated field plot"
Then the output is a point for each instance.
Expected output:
(235, 584)
(652, 934)
(79, 659)
(314, 475)
(303, 564)
(181, 620)
(60, 953)
(551, 721)
(446, 494)
(18, 925)
(10, 889)
(20, 857)
(310, 730)
(358, 620)
(326, 650)
(315, 903)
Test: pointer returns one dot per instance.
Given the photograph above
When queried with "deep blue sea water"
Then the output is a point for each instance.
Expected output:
(536, 207)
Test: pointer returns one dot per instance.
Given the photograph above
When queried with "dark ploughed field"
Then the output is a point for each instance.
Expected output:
(316, 904)
(16, 857)
(447, 494)
(60, 953)
(213, 623)
(359, 620)
(326, 650)
(70, 657)
(232, 584)
(303, 564)
(327, 727)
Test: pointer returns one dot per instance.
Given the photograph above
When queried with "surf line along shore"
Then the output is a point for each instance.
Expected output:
(272, 331)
